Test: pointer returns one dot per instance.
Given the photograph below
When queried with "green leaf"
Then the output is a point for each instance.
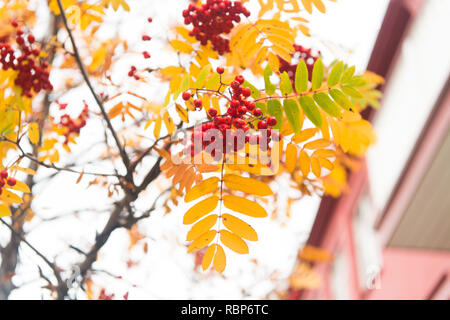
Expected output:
(341, 99)
(274, 108)
(352, 92)
(202, 76)
(262, 106)
(270, 88)
(357, 81)
(213, 82)
(348, 74)
(255, 91)
(328, 105)
(285, 84)
(301, 77)
(311, 111)
(317, 76)
(185, 83)
(292, 114)
(335, 74)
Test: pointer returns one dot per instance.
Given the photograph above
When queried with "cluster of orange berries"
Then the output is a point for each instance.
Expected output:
(73, 125)
(33, 74)
(4, 179)
(301, 53)
(240, 115)
(213, 18)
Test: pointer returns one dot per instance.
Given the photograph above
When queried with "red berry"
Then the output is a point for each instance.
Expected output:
(14, 23)
(257, 112)
(246, 92)
(11, 182)
(240, 79)
(186, 96)
(30, 38)
(149, 19)
(212, 112)
(220, 70)
(271, 121)
(198, 103)
(4, 174)
(235, 84)
(146, 54)
(262, 124)
(235, 104)
(146, 38)
(242, 110)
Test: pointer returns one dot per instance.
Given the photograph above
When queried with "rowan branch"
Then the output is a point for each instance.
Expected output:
(33, 248)
(80, 64)
(52, 166)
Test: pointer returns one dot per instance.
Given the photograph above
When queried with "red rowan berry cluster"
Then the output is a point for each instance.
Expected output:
(240, 115)
(301, 53)
(73, 125)
(132, 73)
(32, 72)
(4, 179)
(212, 19)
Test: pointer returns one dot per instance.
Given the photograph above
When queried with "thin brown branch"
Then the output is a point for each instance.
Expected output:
(33, 248)
(77, 57)
(52, 166)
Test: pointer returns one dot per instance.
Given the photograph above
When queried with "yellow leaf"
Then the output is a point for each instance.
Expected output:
(208, 256)
(233, 242)
(33, 133)
(19, 186)
(244, 206)
(291, 157)
(10, 197)
(239, 227)
(200, 210)
(327, 153)
(29, 171)
(220, 260)
(305, 135)
(157, 129)
(319, 5)
(314, 254)
(201, 227)
(324, 162)
(169, 123)
(171, 71)
(247, 185)
(182, 112)
(207, 186)
(315, 167)
(181, 46)
(308, 5)
(202, 241)
(317, 144)
(4, 211)
(274, 62)
(304, 162)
